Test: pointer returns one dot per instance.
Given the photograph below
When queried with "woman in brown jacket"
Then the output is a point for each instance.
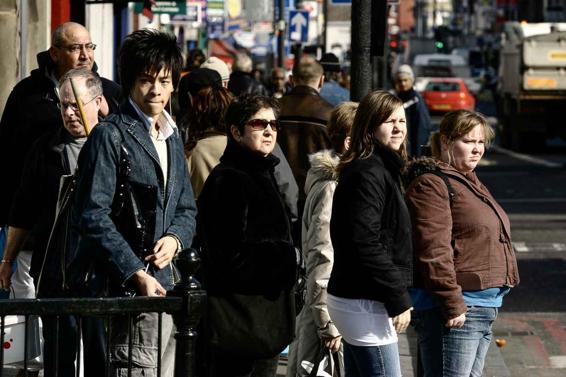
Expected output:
(465, 262)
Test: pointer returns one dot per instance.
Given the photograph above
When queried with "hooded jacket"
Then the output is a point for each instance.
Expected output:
(30, 112)
(314, 323)
(463, 243)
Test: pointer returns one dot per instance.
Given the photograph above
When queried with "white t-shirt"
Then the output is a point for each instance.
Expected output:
(361, 322)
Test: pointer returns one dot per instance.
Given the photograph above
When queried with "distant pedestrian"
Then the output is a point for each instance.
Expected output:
(370, 229)
(278, 85)
(465, 263)
(206, 140)
(419, 125)
(143, 141)
(315, 328)
(304, 114)
(242, 81)
(249, 262)
(219, 66)
(179, 101)
(193, 83)
(331, 90)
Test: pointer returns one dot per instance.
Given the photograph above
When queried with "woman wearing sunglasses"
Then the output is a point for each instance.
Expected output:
(249, 262)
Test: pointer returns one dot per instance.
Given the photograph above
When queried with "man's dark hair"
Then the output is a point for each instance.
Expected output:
(242, 109)
(148, 51)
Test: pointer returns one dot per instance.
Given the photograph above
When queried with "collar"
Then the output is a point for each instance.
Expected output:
(243, 158)
(304, 89)
(166, 124)
(391, 159)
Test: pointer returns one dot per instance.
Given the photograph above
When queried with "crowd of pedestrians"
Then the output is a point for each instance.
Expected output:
(262, 180)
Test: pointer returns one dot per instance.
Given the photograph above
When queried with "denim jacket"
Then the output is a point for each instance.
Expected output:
(96, 186)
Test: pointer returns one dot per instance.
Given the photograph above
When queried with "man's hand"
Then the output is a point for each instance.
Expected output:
(5, 275)
(456, 322)
(147, 285)
(401, 322)
(333, 344)
(163, 252)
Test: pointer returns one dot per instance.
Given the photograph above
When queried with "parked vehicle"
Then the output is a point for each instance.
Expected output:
(446, 94)
(427, 66)
(532, 90)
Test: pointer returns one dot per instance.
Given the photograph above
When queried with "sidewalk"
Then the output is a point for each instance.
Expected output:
(534, 346)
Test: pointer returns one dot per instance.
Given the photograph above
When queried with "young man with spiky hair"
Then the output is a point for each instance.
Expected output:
(144, 134)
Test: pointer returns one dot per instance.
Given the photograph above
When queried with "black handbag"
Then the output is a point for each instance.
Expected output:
(251, 326)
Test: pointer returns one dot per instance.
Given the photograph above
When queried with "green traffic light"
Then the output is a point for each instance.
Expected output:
(439, 44)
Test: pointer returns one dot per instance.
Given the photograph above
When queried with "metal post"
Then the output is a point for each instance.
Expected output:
(325, 27)
(361, 49)
(281, 36)
(194, 299)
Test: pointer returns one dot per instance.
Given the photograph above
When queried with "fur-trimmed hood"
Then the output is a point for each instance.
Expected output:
(418, 167)
(324, 167)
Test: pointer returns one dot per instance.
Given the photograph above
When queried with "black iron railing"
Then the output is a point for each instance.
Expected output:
(185, 303)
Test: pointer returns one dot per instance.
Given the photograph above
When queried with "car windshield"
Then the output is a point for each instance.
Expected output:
(443, 87)
(436, 71)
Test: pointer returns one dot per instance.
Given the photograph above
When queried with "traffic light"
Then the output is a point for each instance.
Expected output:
(441, 35)
(395, 43)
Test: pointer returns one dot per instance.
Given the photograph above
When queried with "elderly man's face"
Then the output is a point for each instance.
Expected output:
(403, 83)
(69, 108)
(74, 51)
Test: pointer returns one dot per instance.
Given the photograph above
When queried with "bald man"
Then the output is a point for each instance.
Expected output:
(31, 109)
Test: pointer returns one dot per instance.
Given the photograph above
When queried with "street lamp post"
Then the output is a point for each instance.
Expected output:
(281, 35)
(361, 49)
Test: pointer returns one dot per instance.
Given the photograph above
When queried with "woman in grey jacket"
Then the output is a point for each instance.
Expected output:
(315, 329)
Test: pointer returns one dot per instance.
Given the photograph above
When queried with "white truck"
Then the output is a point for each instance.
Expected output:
(532, 84)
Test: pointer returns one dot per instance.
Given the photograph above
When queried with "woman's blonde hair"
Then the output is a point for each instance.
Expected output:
(374, 109)
(456, 124)
(340, 124)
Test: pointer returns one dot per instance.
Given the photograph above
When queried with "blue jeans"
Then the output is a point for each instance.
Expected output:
(378, 361)
(454, 352)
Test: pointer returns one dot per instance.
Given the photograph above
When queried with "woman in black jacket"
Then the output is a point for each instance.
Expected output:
(249, 261)
(371, 235)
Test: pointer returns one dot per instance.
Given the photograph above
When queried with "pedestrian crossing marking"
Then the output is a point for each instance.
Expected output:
(523, 247)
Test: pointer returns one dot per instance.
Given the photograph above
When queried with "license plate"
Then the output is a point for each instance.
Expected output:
(541, 83)
(441, 107)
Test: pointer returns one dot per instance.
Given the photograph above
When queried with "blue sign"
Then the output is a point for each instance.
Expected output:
(298, 25)
(341, 1)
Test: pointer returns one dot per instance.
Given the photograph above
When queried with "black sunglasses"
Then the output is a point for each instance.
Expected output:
(261, 124)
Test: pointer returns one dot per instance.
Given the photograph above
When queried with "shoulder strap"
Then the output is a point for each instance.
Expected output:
(451, 192)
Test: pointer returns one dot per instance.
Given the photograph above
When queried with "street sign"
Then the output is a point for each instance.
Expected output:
(193, 14)
(164, 7)
(298, 26)
(340, 2)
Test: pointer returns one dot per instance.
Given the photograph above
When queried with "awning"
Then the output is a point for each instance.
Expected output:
(222, 50)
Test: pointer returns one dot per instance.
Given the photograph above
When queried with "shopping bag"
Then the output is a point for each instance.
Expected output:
(14, 339)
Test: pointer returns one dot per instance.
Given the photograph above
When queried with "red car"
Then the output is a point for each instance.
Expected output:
(446, 94)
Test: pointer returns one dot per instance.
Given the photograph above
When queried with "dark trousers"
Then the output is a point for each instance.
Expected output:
(60, 346)
(222, 364)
